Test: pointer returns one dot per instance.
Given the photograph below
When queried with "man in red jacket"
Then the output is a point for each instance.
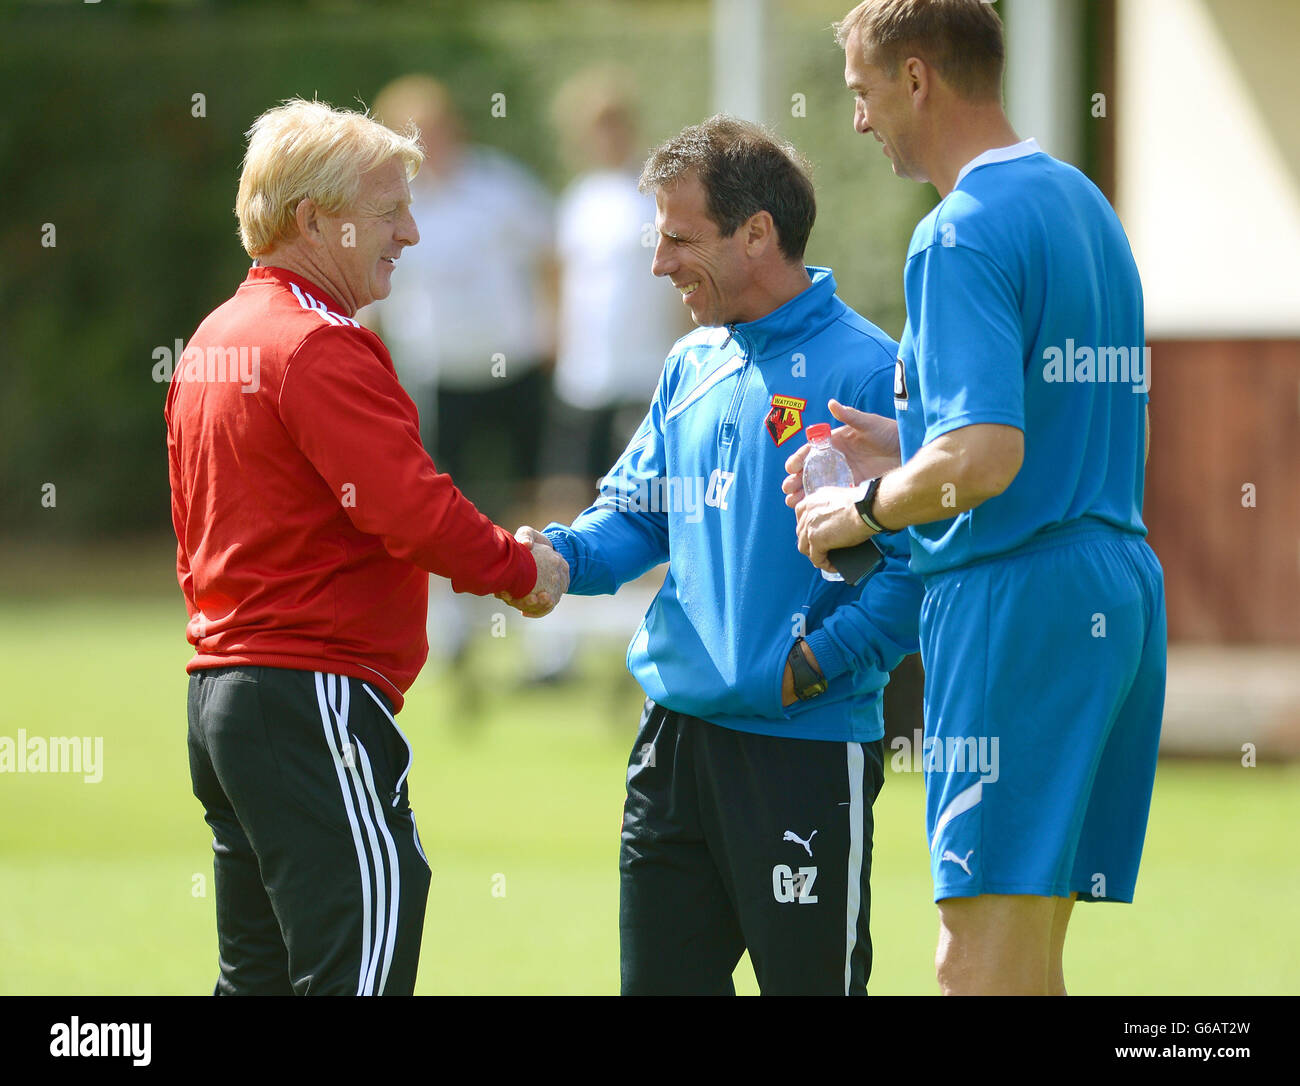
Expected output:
(308, 517)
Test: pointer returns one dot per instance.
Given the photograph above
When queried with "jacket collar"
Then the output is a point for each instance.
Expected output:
(789, 325)
(999, 154)
(270, 273)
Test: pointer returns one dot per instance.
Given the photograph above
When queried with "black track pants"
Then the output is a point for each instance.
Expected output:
(320, 879)
(735, 841)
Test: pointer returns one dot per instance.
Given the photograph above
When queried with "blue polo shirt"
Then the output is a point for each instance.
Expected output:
(1024, 308)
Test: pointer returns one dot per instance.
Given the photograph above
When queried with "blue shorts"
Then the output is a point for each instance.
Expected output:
(1044, 691)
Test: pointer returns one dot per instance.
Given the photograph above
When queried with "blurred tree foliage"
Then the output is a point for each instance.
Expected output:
(100, 139)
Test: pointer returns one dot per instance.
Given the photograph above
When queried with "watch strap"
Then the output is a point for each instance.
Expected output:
(808, 679)
(863, 506)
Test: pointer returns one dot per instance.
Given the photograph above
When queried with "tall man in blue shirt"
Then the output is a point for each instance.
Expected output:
(1020, 394)
(749, 789)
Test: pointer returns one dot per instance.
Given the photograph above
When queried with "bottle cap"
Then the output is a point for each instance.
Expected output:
(819, 431)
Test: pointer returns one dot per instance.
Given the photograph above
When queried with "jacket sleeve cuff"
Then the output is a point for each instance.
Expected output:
(525, 577)
(559, 537)
(831, 659)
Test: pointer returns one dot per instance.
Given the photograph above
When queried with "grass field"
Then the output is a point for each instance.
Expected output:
(106, 887)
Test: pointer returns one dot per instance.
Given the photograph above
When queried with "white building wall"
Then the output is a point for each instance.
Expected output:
(1210, 207)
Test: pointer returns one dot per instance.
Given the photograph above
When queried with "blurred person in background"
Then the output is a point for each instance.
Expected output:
(616, 323)
(470, 323)
(616, 320)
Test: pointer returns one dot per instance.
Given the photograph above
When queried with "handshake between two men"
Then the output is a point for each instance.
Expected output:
(552, 576)
(825, 520)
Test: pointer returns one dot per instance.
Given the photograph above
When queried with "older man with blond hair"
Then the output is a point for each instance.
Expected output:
(308, 517)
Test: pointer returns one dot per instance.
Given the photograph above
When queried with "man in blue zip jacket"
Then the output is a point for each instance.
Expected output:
(749, 789)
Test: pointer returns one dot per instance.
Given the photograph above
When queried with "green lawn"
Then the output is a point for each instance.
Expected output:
(106, 887)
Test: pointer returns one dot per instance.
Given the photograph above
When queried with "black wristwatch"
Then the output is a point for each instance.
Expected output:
(863, 506)
(808, 678)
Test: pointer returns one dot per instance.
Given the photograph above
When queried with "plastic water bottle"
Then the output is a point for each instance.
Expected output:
(825, 466)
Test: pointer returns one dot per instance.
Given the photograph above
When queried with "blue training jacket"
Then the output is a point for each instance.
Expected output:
(699, 486)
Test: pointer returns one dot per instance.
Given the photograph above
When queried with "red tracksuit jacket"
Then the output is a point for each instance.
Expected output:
(307, 512)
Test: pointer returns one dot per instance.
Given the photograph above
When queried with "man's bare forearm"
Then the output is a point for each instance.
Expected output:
(955, 472)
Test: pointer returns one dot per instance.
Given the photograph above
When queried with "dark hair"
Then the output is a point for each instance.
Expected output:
(960, 39)
(744, 170)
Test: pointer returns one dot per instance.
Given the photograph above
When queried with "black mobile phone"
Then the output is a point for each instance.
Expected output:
(858, 562)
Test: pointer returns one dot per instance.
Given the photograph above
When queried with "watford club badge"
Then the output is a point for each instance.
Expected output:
(786, 418)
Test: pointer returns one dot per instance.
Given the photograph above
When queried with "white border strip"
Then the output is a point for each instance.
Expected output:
(857, 765)
(377, 958)
(725, 370)
(362, 859)
(410, 758)
(962, 802)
